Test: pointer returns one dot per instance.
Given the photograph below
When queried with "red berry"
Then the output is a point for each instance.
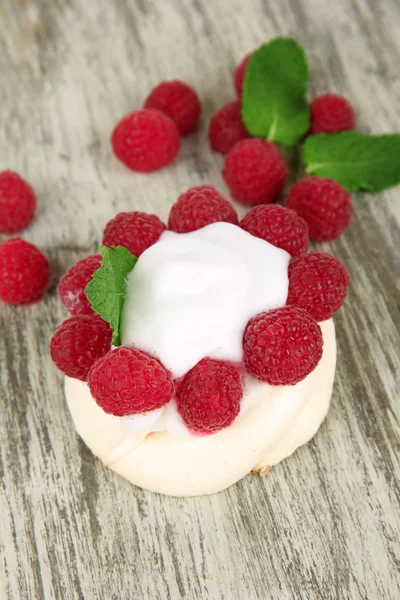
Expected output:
(279, 226)
(72, 286)
(330, 113)
(324, 204)
(238, 75)
(227, 128)
(178, 101)
(146, 140)
(78, 342)
(17, 202)
(24, 272)
(127, 381)
(209, 396)
(198, 207)
(135, 230)
(282, 346)
(318, 284)
(255, 171)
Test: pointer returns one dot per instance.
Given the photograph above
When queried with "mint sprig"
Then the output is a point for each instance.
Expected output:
(357, 161)
(276, 81)
(106, 290)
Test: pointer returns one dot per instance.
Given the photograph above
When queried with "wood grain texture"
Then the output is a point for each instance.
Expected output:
(325, 524)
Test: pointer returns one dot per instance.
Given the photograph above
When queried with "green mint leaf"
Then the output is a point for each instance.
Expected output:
(357, 161)
(274, 104)
(106, 290)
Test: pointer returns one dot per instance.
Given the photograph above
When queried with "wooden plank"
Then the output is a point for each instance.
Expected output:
(325, 524)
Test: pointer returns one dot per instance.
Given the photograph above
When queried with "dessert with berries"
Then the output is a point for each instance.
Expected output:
(210, 354)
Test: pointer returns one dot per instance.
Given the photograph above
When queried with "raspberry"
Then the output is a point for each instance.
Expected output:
(78, 342)
(72, 286)
(127, 381)
(279, 226)
(238, 75)
(330, 113)
(282, 346)
(209, 396)
(146, 140)
(227, 128)
(318, 284)
(24, 272)
(324, 204)
(178, 101)
(255, 171)
(198, 207)
(17, 202)
(135, 230)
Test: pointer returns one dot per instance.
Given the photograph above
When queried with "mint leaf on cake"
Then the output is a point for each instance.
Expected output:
(276, 81)
(356, 160)
(106, 290)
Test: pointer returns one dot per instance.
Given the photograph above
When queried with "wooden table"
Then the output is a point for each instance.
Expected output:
(324, 524)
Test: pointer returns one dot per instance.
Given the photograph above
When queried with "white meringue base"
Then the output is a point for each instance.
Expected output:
(275, 423)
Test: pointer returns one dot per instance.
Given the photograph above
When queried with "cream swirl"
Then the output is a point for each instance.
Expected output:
(191, 295)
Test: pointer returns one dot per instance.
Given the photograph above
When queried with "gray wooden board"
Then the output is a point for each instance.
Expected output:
(324, 524)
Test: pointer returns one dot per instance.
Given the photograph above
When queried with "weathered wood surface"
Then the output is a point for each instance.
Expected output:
(324, 524)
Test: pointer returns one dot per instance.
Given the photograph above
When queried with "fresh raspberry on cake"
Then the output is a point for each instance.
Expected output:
(135, 230)
(128, 381)
(279, 226)
(17, 202)
(209, 396)
(282, 346)
(255, 171)
(331, 113)
(24, 272)
(317, 283)
(78, 342)
(178, 101)
(239, 74)
(201, 205)
(72, 286)
(146, 140)
(227, 128)
(324, 204)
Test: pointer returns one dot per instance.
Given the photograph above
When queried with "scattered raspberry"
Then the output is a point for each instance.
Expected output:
(127, 381)
(78, 342)
(135, 230)
(209, 396)
(279, 226)
(17, 202)
(330, 113)
(324, 204)
(146, 140)
(282, 346)
(318, 284)
(227, 128)
(72, 286)
(24, 272)
(238, 75)
(198, 207)
(255, 171)
(178, 101)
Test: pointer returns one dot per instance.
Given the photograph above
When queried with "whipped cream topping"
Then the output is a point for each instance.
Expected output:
(191, 295)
